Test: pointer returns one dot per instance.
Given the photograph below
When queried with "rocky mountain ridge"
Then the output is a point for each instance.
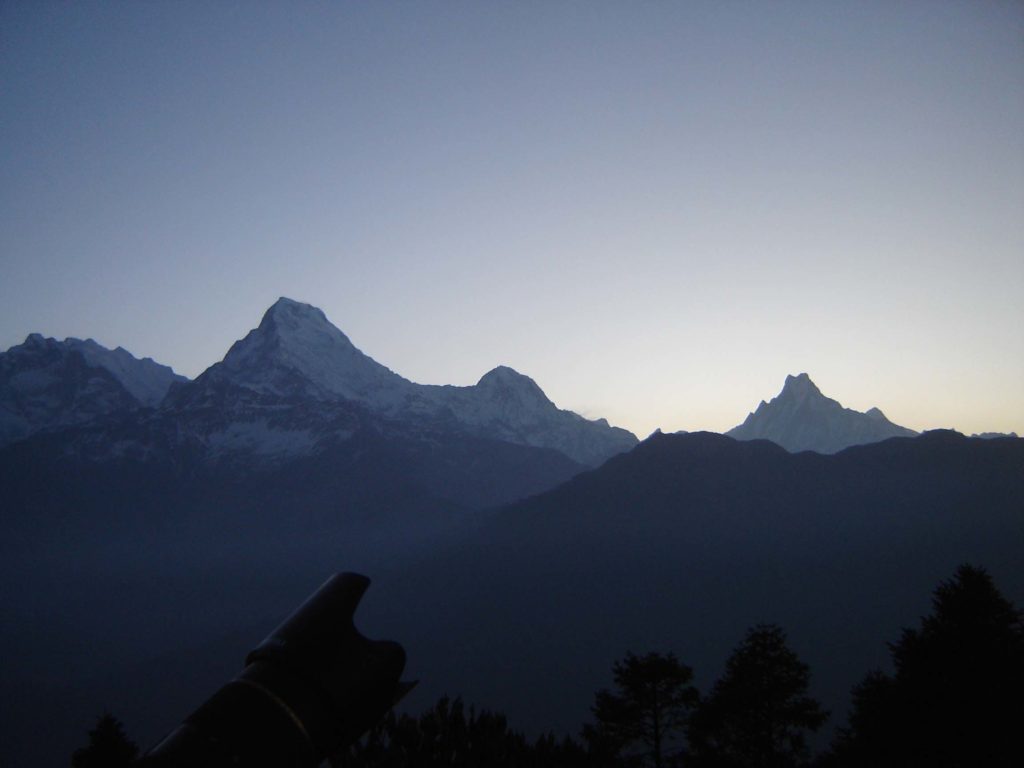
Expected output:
(47, 384)
(291, 386)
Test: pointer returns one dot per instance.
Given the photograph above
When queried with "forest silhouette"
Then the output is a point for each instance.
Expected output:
(952, 699)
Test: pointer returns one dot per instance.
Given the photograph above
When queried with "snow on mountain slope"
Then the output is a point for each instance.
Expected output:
(801, 418)
(47, 384)
(510, 406)
(294, 384)
(297, 354)
(146, 379)
(296, 350)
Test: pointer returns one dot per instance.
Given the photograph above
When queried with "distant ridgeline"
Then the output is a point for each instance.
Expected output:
(153, 525)
(296, 386)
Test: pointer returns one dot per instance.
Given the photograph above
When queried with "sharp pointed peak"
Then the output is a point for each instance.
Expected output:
(801, 418)
(296, 349)
(283, 302)
(285, 307)
(288, 318)
(799, 386)
(799, 380)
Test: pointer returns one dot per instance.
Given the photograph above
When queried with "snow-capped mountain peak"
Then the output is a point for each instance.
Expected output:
(801, 418)
(506, 383)
(296, 348)
(301, 321)
(47, 384)
(301, 328)
(798, 388)
(146, 380)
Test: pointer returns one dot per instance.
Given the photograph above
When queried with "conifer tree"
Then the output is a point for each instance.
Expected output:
(758, 712)
(955, 698)
(644, 719)
(108, 746)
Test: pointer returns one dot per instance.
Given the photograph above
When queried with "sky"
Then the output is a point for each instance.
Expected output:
(655, 210)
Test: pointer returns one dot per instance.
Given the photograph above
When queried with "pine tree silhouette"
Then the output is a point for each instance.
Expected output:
(644, 719)
(957, 695)
(449, 736)
(757, 713)
(108, 746)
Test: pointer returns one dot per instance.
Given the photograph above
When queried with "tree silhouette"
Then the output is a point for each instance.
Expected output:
(646, 715)
(757, 713)
(449, 736)
(108, 746)
(957, 695)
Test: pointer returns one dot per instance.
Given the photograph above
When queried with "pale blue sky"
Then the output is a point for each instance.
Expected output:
(656, 210)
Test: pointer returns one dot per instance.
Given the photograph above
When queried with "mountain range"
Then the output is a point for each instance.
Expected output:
(296, 354)
(155, 528)
(293, 386)
(296, 384)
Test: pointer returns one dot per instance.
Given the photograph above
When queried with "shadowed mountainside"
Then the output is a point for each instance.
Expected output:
(142, 593)
(689, 539)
